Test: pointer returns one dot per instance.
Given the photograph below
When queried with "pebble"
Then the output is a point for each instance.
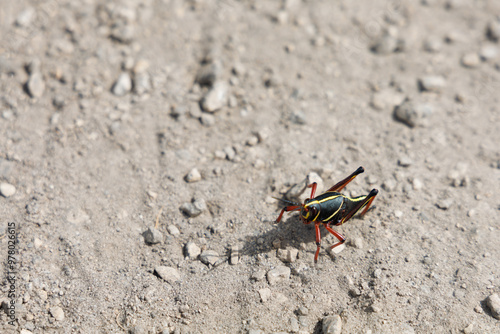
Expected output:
(488, 52)
(193, 176)
(471, 60)
(35, 85)
(357, 243)
(195, 208)
(298, 117)
(57, 312)
(265, 294)
(337, 249)
(493, 302)
(7, 189)
(25, 18)
(255, 331)
(332, 324)
(377, 273)
(386, 45)
(469, 329)
(445, 204)
(412, 114)
(493, 31)
(152, 236)
(417, 184)
(389, 185)
(173, 230)
(37, 243)
(142, 83)
(191, 250)
(294, 325)
(216, 98)
(288, 255)
(404, 161)
(302, 311)
(123, 84)
(209, 257)
(386, 100)
(234, 258)
(258, 275)
(168, 274)
(433, 44)
(259, 164)
(277, 274)
(432, 83)
(230, 153)
(207, 119)
(25, 331)
(123, 33)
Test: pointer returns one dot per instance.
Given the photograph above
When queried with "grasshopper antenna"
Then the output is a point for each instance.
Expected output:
(287, 201)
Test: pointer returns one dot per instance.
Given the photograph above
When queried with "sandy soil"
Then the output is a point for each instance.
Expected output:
(106, 107)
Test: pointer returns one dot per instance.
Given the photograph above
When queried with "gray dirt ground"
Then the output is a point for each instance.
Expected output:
(300, 87)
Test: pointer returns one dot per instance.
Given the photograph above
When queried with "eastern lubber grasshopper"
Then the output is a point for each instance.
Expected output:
(330, 208)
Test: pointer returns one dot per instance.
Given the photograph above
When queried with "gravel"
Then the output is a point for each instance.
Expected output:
(57, 312)
(193, 176)
(191, 250)
(332, 324)
(471, 60)
(278, 274)
(122, 85)
(432, 83)
(169, 274)
(265, 294)
(288, 255)
(153, 236)
(209, 257)
(412, 114)
(195, 208)
(7, 189)
(216, 98)
(493, 302)
(35, 85)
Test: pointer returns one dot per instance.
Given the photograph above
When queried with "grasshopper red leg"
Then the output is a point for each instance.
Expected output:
(339, 186)
(287, 208)
(318, 241)
(313, 190)
(336, 234)
(366, 202)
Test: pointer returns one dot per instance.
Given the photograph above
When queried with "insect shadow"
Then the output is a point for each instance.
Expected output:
(290, 232)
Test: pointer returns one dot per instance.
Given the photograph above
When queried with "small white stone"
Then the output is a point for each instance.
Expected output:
(332, 324)
(209, 257)
(337, 249)
(168, 274)
(191, 250)
(123, 84)
(193, 176)
(288, 255)
(277, 274)
(57, 313)
(493, 302)
(173, 230)
(417, 184)
(265, 294)
(471, 60)
(35, 85)
(7, 189)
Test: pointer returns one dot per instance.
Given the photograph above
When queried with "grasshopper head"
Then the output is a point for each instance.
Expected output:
(309, 211)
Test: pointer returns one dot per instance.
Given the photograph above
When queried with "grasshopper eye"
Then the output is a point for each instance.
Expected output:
(314, 211)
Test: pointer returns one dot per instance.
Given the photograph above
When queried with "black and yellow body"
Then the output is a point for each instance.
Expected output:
(331, 208)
